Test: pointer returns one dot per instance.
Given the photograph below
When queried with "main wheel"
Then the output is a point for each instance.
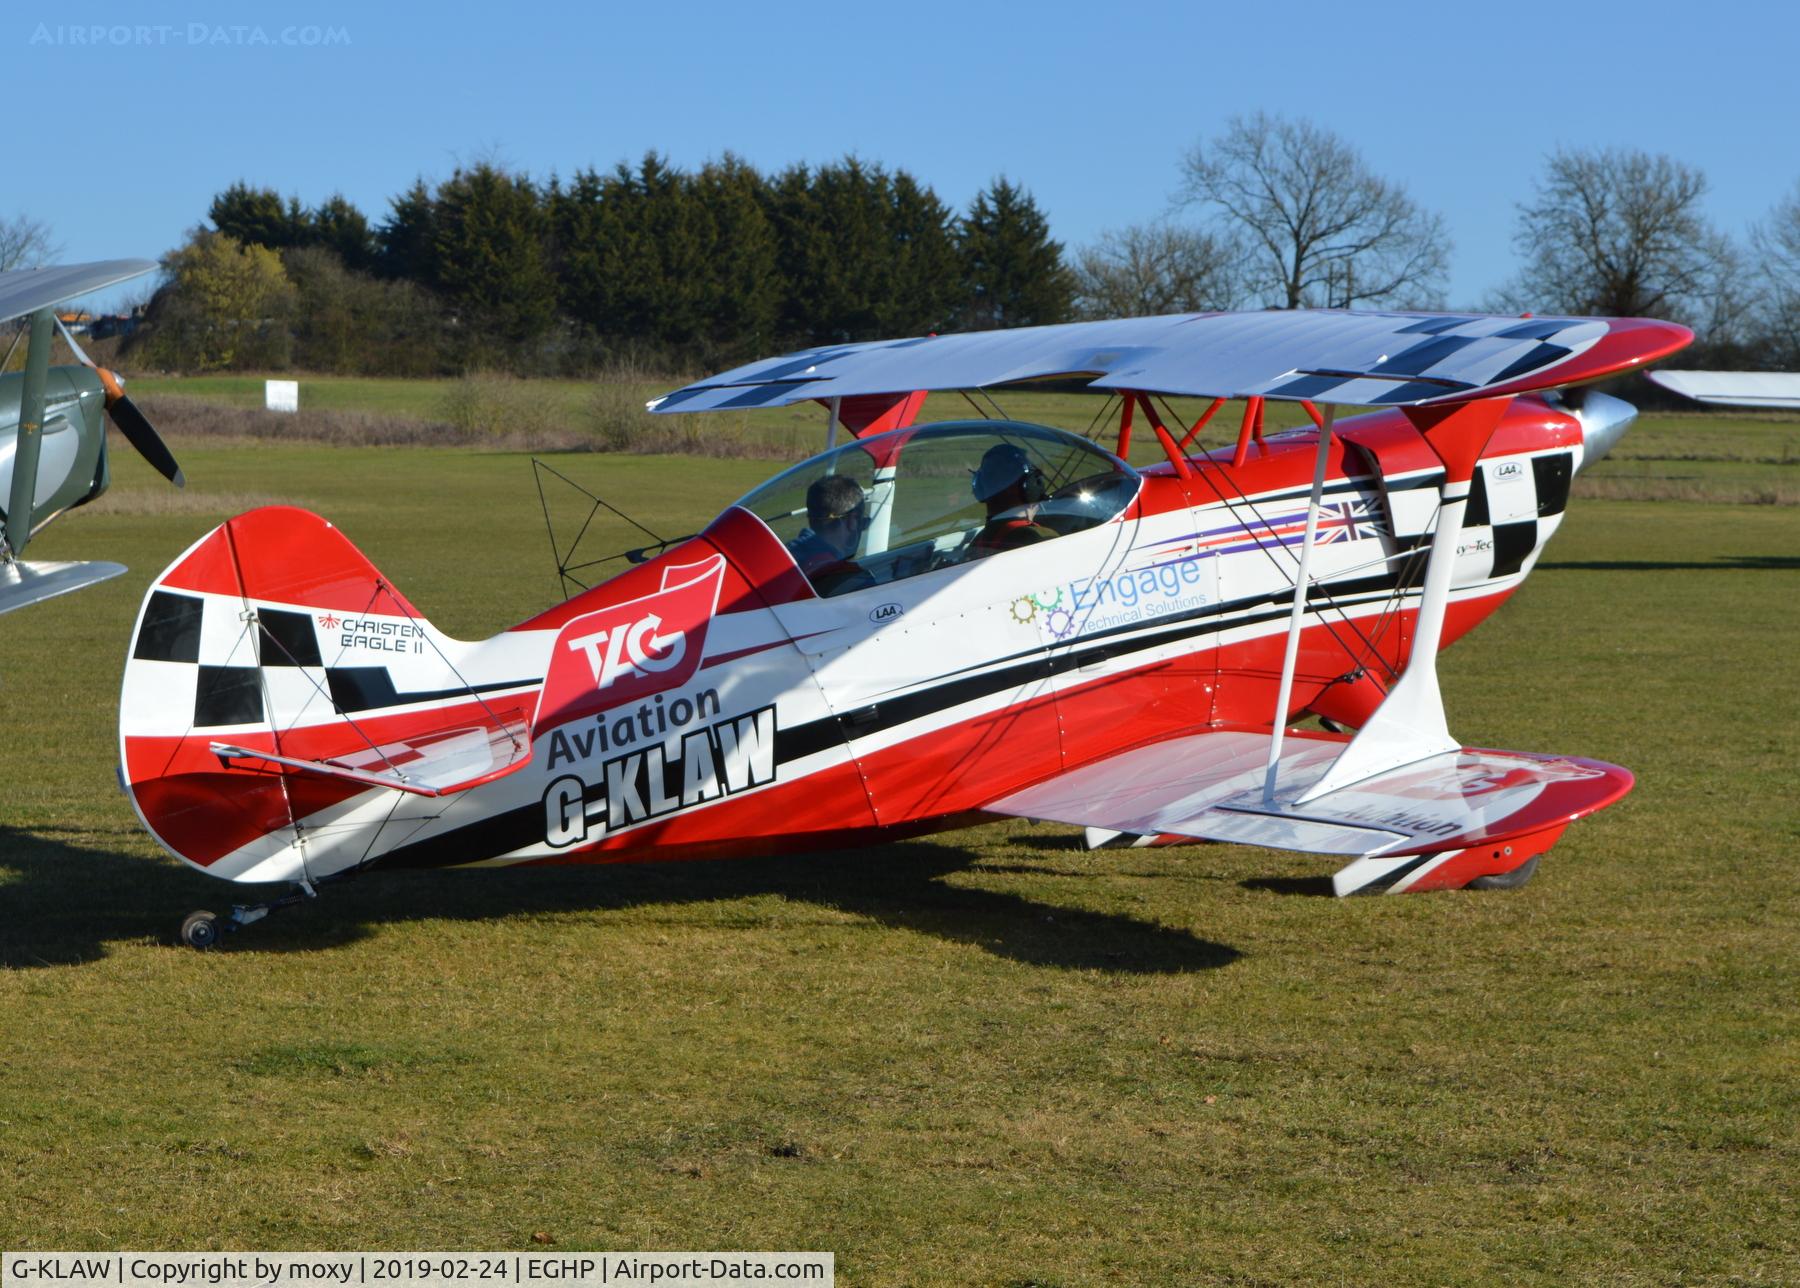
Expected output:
(1507, 880)
(200, 930)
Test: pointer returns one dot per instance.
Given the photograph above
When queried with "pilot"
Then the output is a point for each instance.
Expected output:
(836, 514)
(1012, 488)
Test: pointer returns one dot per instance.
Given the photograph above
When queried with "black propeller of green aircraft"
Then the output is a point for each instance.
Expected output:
(52, 435)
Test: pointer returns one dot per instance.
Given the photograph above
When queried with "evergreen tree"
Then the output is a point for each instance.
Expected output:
(861, 254)
(851, 281)
(260, 217)
(924, 280)
(801, 245)
(673, 236)
(738, 309)
(340, 227)
(406, 241)
(489, 244)
(576, 249)
(619, 266)
(1013, 273)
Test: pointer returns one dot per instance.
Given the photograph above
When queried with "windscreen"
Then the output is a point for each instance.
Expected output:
(914, 500)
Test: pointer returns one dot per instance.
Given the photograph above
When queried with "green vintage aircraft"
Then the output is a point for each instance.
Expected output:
(52, 435)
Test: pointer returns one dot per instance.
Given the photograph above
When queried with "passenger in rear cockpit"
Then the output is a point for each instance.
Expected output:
(836, 514)
(1012, 489)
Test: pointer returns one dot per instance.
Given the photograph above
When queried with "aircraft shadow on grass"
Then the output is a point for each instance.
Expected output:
(62, 902)
(1311, 886)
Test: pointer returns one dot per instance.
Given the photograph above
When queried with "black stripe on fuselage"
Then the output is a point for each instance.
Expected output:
(371, 688)
(518, 828)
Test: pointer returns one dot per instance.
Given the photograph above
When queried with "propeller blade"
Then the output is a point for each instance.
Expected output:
(131, 422)
(140, 434)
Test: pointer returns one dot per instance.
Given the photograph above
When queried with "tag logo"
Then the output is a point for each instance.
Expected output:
(637, 647)
(885, 613)
(627, 652)
(1508, 471)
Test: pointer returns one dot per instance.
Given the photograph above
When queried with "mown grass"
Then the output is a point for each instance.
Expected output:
(601, 415)
(1742, 457)
(1733, 457)
(983, 1058)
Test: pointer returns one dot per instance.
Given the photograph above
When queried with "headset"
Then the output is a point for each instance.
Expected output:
(1003, 465)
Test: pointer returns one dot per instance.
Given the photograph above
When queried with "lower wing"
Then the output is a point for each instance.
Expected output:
(1397, 826)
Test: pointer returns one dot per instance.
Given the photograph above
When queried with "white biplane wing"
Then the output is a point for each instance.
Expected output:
(1325, 356)
(1780, 389)
(1210, 786)
(26, 290)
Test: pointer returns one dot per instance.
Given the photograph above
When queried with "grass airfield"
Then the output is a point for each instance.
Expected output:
(986, 1057)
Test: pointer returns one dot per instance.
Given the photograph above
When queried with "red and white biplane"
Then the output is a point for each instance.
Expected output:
(927, 626)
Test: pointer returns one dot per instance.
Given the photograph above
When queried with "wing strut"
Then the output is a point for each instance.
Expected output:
(1302, 584)
(1410, 725)
(30, 434)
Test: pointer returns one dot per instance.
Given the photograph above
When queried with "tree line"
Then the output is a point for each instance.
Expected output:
(698, 269)
(647, 263)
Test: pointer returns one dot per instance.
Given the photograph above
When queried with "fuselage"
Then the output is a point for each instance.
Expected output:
(712, 701)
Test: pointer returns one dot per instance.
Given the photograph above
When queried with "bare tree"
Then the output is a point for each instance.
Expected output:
(1776, 244)
(1148, 269)
(24, 243)
(1619, 233)
(1319, 227)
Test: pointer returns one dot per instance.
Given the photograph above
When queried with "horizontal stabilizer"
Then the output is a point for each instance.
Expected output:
(437, 764)
(1211, 786)
(23, 583)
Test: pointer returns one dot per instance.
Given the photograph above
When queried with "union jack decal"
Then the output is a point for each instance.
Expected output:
(1349, 521)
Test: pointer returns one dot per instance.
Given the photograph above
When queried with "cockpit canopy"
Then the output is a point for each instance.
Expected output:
(913, 500)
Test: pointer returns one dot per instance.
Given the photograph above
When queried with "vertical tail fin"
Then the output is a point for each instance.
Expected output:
(274, 634)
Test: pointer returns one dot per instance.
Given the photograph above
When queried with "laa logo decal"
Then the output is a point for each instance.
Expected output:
(627, 652)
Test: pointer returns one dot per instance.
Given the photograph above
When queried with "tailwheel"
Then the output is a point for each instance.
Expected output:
(203, 929)
(200, 930)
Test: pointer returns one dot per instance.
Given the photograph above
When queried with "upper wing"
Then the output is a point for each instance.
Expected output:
(1326, 356)
(27, 290)
(1734, 388)
(1210, 785)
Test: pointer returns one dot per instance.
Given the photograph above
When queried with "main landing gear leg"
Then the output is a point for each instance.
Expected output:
(204, 929)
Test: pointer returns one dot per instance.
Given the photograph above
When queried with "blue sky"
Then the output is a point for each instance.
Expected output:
(1089, 106)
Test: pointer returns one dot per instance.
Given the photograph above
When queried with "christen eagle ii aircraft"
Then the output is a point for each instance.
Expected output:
(926, 626)
(52, 437)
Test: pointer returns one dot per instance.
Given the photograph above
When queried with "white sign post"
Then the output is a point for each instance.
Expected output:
(281, 395)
